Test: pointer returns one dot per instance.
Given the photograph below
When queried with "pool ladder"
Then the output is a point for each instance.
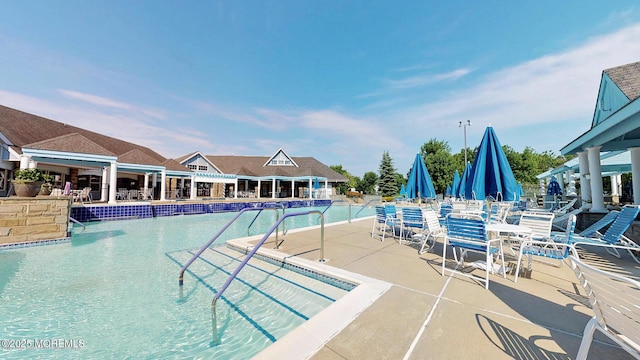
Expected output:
(274, 227)
(217, 235)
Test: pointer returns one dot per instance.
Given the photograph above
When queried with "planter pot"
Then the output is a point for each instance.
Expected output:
(45, 189)
(27, 189)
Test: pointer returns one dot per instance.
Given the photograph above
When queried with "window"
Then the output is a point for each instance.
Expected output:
(203, 167)
(192, 167)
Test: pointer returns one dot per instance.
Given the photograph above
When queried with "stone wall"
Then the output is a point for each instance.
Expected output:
(32, 219)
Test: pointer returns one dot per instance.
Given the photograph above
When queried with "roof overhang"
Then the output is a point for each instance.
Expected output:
(611, 163)
(620, 131)
(69, 158)
(140, 168)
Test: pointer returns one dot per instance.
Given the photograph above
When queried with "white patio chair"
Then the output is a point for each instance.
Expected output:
(433, 230)
(557, 248)
(539, 223)
(469, 233)
(615, 301)
(84, 195)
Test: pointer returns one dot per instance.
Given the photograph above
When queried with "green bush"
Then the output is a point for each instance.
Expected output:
(28, 175)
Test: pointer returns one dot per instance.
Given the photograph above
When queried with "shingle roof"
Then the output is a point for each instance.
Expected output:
(171, 164)
(253, 166)
(74, 143)
(136, 156)
(22, 128)
(627, 78)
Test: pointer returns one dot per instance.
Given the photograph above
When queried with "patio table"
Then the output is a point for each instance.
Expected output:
(508, 229)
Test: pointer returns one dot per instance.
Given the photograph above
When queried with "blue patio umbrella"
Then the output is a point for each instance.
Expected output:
(464, 182)
(419, 184)
(519, 192)
(554, 187)
(447, 192)
(455, 188)
(491, 174)
(403, 191)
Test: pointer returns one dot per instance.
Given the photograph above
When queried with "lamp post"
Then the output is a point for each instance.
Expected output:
(464, 126)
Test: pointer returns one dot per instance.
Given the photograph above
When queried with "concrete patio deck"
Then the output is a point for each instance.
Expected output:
(424, 315)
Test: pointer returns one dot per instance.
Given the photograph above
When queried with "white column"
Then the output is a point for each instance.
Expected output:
(192, 194)
(104, 189)
(24, 162)
(235, 189)
(163, 185)
(635, 174)
(571, 184)
(595, 175)
(113, 181)
(326, 189)
(310, 190)
(146, 183)
(273, 188)
(614, 185)
(293, 189)
(585, 184)
(259, 187)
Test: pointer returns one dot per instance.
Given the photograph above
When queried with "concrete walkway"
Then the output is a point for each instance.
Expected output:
(424, 315)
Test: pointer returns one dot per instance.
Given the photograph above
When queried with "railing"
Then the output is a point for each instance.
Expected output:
(224, 287)
(277, 206)
(331, 203)
(217, 235)
(77, 222)
(365, 205)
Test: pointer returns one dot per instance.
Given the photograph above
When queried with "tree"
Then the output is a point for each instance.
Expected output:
(387, 185)
(440, 164)
(368, 183)
(352, 181)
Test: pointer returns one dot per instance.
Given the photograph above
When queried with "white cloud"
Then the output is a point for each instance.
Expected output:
(423, 80)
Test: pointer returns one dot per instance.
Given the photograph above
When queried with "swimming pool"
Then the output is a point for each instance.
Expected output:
(112, 291)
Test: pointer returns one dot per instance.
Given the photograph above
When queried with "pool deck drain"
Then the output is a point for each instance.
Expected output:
(412, 312)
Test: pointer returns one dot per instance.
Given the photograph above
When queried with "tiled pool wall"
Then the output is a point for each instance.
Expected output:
(140, 211)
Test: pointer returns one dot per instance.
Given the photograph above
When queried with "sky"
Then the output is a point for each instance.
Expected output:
(341, 81)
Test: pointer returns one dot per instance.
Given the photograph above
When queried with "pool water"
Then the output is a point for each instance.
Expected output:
(113, 290)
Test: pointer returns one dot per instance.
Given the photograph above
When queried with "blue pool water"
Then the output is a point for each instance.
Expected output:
(112, 292)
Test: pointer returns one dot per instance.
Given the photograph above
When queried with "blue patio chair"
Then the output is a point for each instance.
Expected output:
(614, 236)
(382, 221)
(593, 231)
(469, 233)
(445, 209)
(614, 300)
(557, 248)
(411, 224)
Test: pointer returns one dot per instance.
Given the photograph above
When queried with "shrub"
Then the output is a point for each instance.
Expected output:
(28, 175)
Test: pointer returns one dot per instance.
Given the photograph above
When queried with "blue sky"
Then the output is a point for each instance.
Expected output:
(341, 81)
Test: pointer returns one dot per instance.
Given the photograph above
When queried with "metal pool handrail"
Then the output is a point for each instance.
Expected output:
(281, 206)
(331, 203)
(365, 205)
(250, 255)
(215, 237)
(77, 222)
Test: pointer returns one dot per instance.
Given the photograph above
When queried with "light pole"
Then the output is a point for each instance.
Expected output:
(464, 126)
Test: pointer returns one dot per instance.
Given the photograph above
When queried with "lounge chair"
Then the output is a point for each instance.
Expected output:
(614, 236)
(614, 300)
(593, 231)
(560, 221)
(557, 248)
(469, 233)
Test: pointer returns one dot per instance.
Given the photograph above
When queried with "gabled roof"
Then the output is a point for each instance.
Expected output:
(73, 142)
(136, 156)
(183, 159)
(254, 166)
(173, 165)
(22, 128)
(627, 78)
(280, 151)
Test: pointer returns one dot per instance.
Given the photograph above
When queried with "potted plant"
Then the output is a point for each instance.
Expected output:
(47, 185)
(27, 182)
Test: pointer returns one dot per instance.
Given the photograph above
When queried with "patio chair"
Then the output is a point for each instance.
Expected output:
(411, 223)
(614, 300)
(614, 236)
(566, 208)
(433, 230)
(382, 221)
(560, 221)
(593, 231)
(84, 195)
(557, 248)
(539, 223)
(469, 233)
